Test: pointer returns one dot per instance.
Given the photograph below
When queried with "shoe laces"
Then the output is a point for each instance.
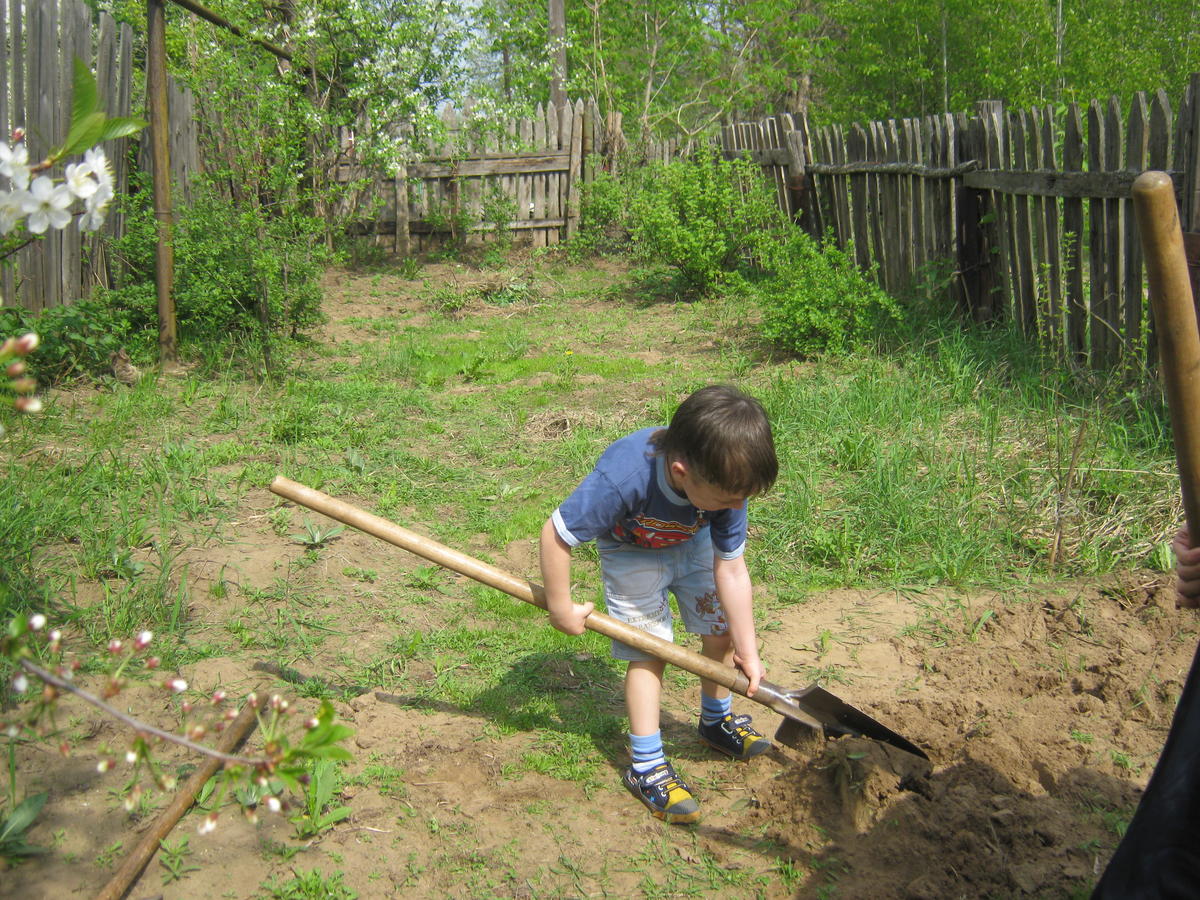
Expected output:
(663, 778)
(739, 725)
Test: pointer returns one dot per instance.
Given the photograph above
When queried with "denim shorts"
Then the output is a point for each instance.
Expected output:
(637, 580)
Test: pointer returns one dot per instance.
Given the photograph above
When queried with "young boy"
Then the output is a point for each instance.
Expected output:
(667, 509)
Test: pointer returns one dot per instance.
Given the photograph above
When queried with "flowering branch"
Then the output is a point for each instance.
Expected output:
(137, 725)
(284, 764)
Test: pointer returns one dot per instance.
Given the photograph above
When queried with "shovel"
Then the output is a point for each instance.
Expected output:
(805, 712)
(1175, 321)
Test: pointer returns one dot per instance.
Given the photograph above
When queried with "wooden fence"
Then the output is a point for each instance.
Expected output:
(1028, 213)
(524, 177)
(38, 44)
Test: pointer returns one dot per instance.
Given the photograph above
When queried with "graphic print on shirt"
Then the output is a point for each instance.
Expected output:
(656, 533)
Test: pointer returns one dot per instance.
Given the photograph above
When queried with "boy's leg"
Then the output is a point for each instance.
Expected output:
(702, 614)
(635, 593)
(643, 693)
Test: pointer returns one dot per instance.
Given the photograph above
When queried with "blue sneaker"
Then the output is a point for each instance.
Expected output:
(663, 793)
(734, 736)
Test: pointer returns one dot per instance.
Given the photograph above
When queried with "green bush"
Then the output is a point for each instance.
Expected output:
(226, 261)
(815, 299)
(604, 215)
(74, 340)
(706, 216)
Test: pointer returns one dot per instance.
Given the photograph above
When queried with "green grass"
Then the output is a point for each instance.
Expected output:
(942, 458)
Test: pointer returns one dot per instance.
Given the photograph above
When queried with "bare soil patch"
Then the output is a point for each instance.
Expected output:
(1043, 711)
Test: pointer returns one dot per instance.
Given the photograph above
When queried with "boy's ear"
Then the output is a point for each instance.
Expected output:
(678, 468)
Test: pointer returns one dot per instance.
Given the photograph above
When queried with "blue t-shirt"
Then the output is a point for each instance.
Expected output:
(627, 498)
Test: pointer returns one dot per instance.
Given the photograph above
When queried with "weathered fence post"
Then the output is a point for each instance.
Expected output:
(978, 236)
(403, 245)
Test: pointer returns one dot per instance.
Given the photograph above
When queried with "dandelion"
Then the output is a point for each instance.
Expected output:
(177, 685)
(27, 404)
(37, 622)
(142, 641)
(273, 804)
(47, 205)
(115, 646)
(208, 824)
(218, 697)
(26, 344)
(131, 757)
(20, 684)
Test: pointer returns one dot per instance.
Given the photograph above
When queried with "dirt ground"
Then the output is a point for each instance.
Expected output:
(1042, 724)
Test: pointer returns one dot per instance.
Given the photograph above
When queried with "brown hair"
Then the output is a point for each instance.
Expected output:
(725, 437)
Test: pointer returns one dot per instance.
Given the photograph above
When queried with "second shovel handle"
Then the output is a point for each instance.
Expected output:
(429, 549)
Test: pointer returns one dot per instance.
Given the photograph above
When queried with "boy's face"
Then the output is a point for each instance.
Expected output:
(702, 494)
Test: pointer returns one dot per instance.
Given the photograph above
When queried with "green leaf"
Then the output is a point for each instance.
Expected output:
(85, 98)
(22, 817)
(119, 127)
(85, 133)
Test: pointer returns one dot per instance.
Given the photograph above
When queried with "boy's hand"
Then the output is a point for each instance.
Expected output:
(572, 618)
(752, 668)
(1187, 567)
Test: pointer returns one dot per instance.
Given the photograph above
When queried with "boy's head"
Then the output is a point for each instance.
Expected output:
(722, 437)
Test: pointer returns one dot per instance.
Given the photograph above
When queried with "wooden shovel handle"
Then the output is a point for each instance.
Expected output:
(1175, 322)
(527, 591)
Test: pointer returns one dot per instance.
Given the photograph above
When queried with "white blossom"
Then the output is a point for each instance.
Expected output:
(37, 622)
(20, 684)
(99, 165)
(12, 208)
(93, 216)
(14, 164)
(79, 180)
(47, 205)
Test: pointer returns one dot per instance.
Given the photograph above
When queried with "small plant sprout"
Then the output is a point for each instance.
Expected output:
(315, 536)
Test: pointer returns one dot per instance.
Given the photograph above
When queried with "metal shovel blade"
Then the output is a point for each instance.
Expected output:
(837, 717)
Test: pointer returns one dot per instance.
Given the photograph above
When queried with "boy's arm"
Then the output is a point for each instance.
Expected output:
(565, 615)
(736, 595)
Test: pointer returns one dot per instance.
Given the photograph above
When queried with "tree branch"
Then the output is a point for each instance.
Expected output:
(136, 724)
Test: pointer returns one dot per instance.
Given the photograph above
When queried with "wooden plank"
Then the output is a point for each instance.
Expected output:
(575, 172)
(478, 168)
(403, 243)
(1137, 143)
(538, 181)
(1074, 279)
(856, 148)
(423, 227)
(6, 127)
(1022, 230)
(523, 181)
(566, 136)
(996, 150)
(1114, 241)
(553, 193)
(1188, 158)
(1098, 302)
(1050, 314)
(876, 199)
(845, 222)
